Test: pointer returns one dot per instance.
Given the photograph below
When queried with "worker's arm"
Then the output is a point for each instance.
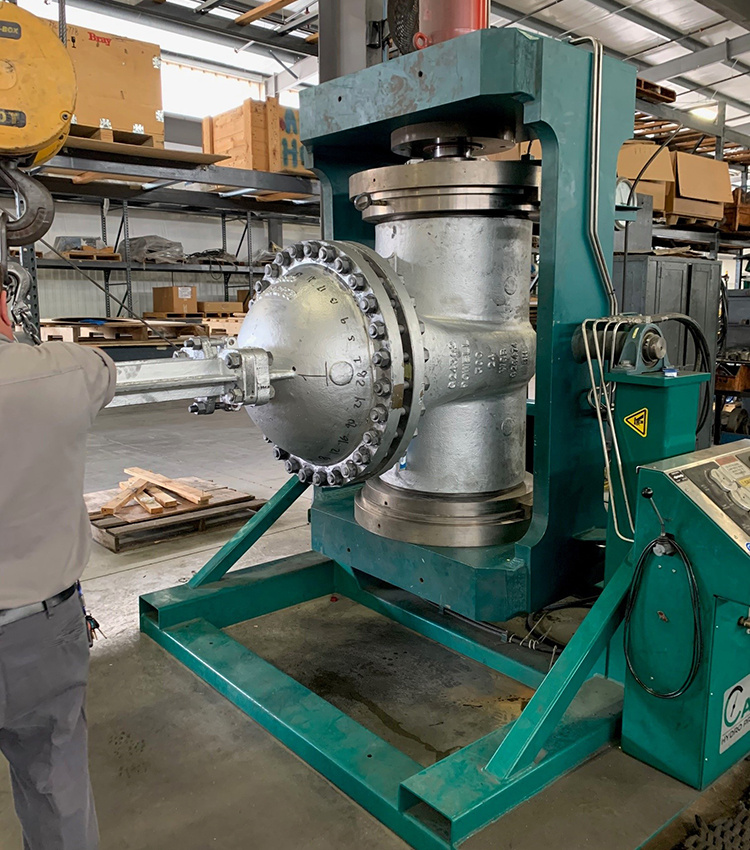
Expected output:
(98, 371)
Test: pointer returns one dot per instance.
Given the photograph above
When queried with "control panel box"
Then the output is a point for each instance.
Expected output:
(704, 499)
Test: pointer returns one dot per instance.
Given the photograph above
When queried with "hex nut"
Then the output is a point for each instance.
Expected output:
(350, 469)
(272, 270)
(280, 454)
(311, 249)
(343, 265)
(378, 413)
(356, 282)
(362, 455)
(283, 258)
(305, 475)
(371, 438)
(233, 359)
(319, 479)
(260, 286)
(368, 304)
(382, 387)
(327, 253)
(335, 478)
(382, 358)
(296, 251)
(376, 330)
(292, 465)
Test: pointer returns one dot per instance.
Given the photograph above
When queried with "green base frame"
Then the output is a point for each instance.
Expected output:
(570, 717)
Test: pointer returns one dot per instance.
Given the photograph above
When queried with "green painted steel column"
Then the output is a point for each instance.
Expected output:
(250, 533)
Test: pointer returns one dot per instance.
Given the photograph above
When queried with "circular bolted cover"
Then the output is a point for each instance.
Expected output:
(352, 400)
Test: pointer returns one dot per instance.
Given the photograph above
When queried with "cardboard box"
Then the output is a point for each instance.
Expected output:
(702, 187)
(657, 190)
(259, 135)
(119, 82)
(243, 295)
(656, 179)
(175, 299)
(219, 307)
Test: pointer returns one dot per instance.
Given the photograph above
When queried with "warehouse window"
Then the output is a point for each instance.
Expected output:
(196, 93)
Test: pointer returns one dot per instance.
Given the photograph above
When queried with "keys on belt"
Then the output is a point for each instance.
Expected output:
(12, 615)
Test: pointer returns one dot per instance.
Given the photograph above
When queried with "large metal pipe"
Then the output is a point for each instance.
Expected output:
(468, 276)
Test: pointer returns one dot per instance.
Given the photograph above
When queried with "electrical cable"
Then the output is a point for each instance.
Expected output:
(632, 598)
(536, 617)
(121, 304)
(631, 196)
(702, 358)
(721, 339)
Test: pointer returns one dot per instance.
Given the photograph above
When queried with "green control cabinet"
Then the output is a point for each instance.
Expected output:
(704, 499)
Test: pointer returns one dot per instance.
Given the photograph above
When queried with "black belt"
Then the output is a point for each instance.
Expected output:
(12, 615)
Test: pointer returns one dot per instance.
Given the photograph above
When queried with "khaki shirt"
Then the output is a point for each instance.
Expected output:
(49, 397)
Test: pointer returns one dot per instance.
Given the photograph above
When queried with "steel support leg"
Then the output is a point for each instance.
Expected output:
(553, 697)
(250, 533)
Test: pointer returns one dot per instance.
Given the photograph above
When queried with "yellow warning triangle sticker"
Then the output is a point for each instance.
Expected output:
(638, 421)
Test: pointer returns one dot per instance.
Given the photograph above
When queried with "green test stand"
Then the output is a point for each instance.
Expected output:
(346, 124)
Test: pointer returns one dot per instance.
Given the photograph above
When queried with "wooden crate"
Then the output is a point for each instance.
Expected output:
(259, 135)
(737, 214)
(119, 83)
(732, 377)
(132, 526)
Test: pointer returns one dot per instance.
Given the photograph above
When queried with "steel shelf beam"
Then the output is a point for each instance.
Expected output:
(176, 200)
(210, 175)
(726, 241)
(172, 268)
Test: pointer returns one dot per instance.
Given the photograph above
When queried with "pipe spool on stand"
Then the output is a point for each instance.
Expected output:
(411, 362)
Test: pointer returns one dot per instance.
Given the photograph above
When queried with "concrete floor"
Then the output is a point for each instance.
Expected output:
(177, 767)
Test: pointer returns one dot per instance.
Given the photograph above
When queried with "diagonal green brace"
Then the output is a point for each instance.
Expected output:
(250, 533)
(551, 700)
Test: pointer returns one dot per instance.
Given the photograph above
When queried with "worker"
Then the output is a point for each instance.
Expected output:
(49, 397)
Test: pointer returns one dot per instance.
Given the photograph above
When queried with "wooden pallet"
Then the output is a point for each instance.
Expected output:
(181, 316)
(122, 137)
(224, 327)
(15, 254)
(212, 315)
(653, 93)
(112, 329)
(52, 330)
(132, 526)
(672, 220)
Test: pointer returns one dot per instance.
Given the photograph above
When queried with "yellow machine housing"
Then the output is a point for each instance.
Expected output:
(37, 87)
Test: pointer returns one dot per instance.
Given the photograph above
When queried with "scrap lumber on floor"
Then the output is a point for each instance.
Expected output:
(192, 494)
(133, 525)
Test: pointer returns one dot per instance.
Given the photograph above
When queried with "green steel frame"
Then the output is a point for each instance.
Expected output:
(433, 808)
(347, 124)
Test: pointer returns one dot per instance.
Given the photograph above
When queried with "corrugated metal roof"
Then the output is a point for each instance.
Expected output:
(649, 32)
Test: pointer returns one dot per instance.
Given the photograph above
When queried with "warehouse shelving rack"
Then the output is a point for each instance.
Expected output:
(230, 194)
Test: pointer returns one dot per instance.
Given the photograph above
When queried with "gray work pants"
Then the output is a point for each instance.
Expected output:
(44, 661)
